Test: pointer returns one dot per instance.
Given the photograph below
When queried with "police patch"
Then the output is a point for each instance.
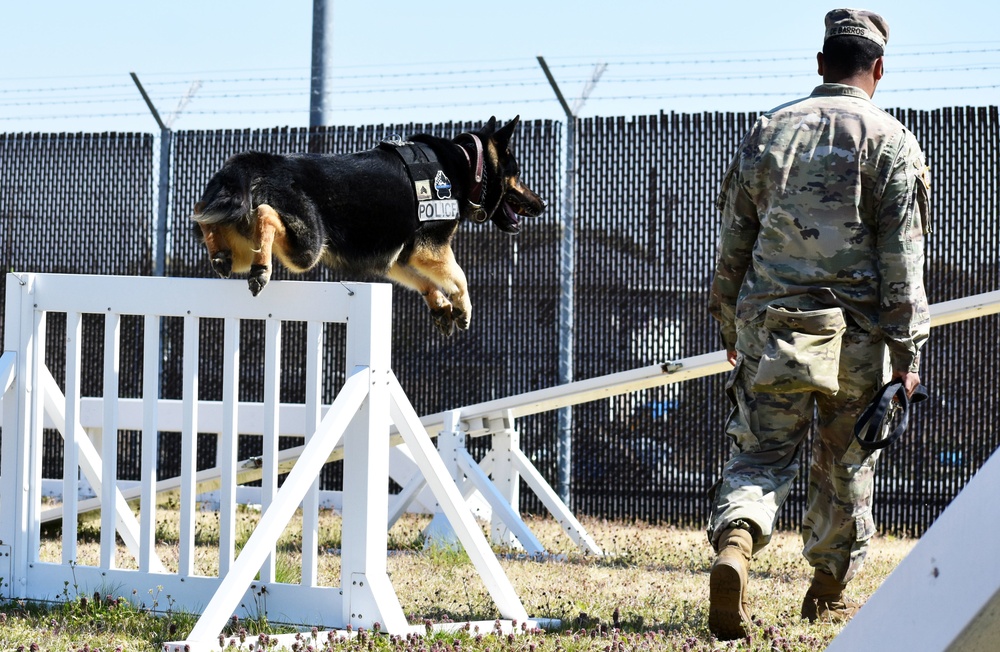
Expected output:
(437, 209)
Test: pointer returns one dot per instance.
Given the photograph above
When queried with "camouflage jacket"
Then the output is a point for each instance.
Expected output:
(826, 204)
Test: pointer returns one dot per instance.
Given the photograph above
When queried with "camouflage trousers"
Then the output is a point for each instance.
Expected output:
(767, 431)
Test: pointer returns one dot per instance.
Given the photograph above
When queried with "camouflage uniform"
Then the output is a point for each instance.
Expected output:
(824, 206)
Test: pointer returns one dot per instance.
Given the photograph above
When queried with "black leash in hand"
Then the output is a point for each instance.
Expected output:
(872, 421)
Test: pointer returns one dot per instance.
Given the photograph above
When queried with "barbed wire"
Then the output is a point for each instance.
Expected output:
(456, 70)
(129, 93)
(508, 82)
(492, 101)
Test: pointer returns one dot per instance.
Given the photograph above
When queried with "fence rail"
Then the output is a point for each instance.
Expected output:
(645, 238)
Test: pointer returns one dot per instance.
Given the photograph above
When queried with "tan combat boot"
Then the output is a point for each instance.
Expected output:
(728, 613)
(825, 600)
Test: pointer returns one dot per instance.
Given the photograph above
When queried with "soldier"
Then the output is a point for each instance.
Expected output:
(819, 275)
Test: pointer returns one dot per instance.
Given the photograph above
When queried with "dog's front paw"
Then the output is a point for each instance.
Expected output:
(461, 309)
(259, 276)
(222, 263)
(443, 320)
(461, 318)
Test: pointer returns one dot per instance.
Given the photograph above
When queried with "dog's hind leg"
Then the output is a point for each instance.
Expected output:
(268, 228)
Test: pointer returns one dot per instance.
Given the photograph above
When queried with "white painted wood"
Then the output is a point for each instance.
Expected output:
(189, 446)
(8, 367)
(476, 417)
(272, 426)
(505, 517)
(231, 588)
(34, 475)
(366, 471)
(71, 454)
(366, 587)
(228, 442)
(979, 305)
(92, 468)
(150, 439)
(401, 502)
(15, 458)
(559, 510)
(195, 297)
(479, 551)
(285, 603)
(439, 532)
(109, 442)
(506, 479)
(313, 407)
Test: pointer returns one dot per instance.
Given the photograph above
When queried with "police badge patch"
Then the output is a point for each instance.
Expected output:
(437, 209)
(442, 185)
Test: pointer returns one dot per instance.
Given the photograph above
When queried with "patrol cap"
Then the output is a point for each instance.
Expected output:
(857, 22)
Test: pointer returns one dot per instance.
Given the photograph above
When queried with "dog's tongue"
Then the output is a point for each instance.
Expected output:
(508, 221)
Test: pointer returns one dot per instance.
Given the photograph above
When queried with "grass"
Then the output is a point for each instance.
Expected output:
(649, 593)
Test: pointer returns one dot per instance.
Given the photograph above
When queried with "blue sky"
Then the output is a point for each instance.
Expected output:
(64, 66)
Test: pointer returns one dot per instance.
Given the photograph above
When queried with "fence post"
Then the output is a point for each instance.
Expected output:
(16, 460)
(162, 203)
(368, 594)
(166, 137)
(567, 275)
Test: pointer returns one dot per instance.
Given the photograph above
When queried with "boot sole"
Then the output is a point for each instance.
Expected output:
(726, 617)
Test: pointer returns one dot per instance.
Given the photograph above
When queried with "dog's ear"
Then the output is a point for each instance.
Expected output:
(503, 136)
(491, 126)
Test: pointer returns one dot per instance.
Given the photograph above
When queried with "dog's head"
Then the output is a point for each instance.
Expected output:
(504, 198)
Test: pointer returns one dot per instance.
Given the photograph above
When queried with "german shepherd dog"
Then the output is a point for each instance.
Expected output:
(359, 213)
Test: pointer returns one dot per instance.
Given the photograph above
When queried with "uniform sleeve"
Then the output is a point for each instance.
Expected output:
(903, 218)
(737, 236)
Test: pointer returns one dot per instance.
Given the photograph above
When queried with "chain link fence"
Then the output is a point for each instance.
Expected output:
(646, 230)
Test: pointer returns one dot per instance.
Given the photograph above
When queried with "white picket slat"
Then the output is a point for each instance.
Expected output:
(109, 438)
(189, 446)
(71, 448)
(150, 437)
(272, 425)
(228, 442)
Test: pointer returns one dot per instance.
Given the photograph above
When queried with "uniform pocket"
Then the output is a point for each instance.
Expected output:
(742, 425)
(802, 353)
(864, 526)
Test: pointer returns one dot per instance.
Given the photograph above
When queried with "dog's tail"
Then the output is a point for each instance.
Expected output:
(228, 197)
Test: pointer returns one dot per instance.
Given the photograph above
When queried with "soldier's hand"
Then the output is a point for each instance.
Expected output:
(731, 356)
(910, 380)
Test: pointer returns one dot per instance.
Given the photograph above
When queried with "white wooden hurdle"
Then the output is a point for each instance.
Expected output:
(358, 422)
(384, 419)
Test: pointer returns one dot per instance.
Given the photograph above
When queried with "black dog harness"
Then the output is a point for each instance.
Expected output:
(431, 186)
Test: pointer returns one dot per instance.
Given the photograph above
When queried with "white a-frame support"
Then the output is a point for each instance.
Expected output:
(358, 424)
(360, 417)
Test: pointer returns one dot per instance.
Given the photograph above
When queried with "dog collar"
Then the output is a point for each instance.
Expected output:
(478, 186)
